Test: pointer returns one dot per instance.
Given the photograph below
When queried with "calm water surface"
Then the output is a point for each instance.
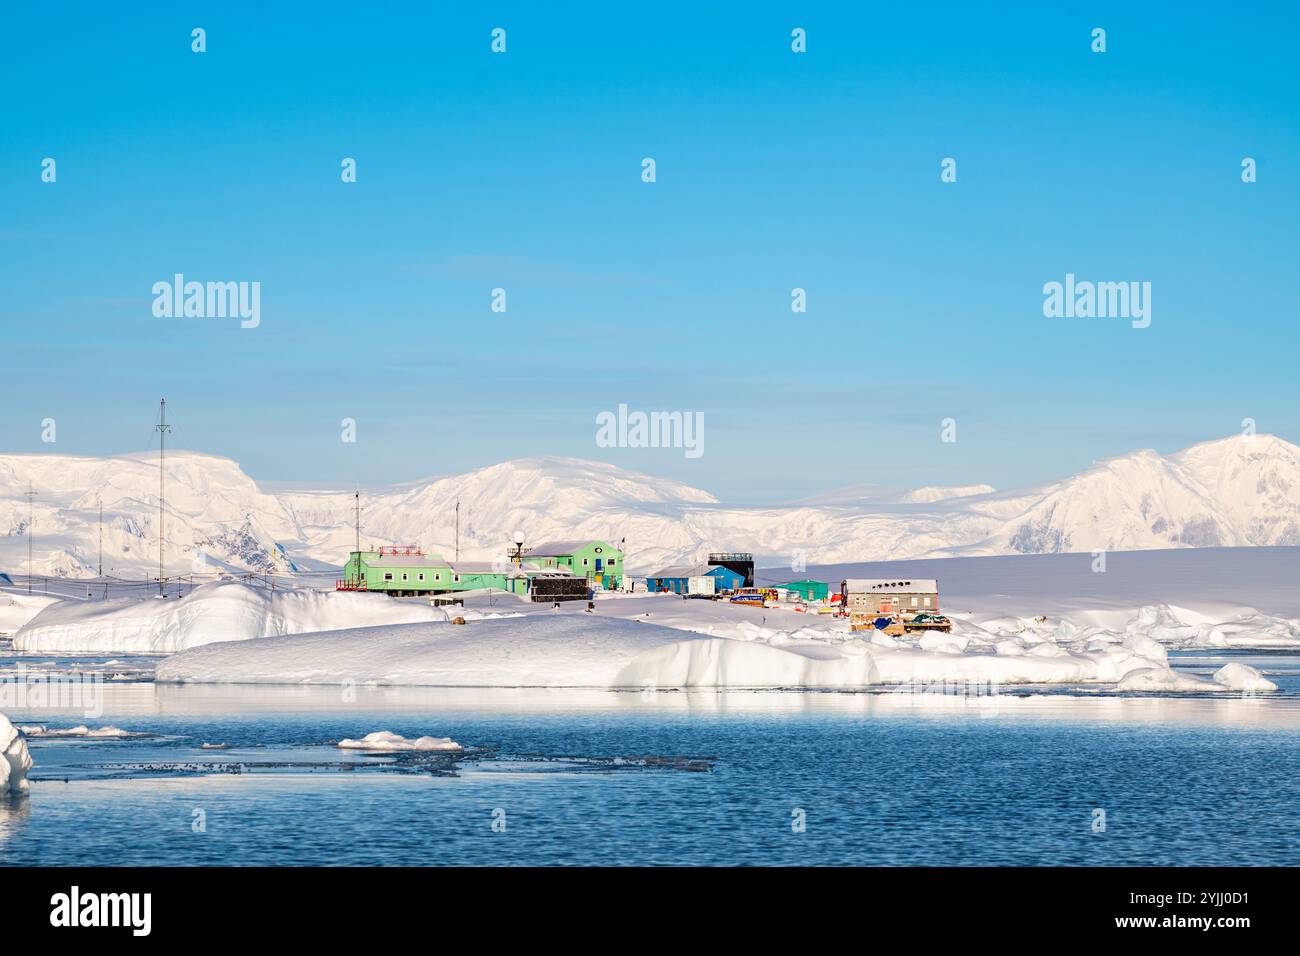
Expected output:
(879, 778)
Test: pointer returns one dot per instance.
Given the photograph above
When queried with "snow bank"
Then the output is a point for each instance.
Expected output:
(15, 760)
(542, 650)
(226, 611)
(387, 740)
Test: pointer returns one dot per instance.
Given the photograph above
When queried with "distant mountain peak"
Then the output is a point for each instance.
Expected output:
(1230, 491)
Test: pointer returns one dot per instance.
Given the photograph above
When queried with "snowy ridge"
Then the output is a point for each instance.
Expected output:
(661, 642)
(1239, 491)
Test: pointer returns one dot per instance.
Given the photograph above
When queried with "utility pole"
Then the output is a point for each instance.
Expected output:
(31, 519)
(457, 530)
(101, 537)
(163, 428)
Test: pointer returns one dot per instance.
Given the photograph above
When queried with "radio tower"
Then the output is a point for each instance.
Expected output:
(163, 428)
(31, 519)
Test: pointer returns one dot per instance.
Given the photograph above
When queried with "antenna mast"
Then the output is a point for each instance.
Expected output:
(458, 530)
(101, 537)
(163, 429)
(31, 519)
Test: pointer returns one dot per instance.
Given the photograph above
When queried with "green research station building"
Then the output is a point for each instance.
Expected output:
(410, 571)
(598, 561)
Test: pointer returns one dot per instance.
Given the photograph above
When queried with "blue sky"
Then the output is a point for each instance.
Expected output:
(775, 170)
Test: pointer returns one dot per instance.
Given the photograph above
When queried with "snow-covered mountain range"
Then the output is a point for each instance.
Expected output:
(1237, 491)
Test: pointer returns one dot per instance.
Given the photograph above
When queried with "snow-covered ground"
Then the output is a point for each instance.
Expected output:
(215, 612)
(1040, 619)
(664, 642)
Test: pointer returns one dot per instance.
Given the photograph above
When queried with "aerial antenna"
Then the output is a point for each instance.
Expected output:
(163, 428)
(31, 519)
(457, 530)
(101, 536)
(517, 556)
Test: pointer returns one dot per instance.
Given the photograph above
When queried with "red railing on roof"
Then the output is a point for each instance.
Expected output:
(406, 550)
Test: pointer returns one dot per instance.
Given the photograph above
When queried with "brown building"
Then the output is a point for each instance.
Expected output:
(867, 596)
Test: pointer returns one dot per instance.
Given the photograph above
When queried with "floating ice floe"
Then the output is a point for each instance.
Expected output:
(39, 730)
(387, 740)
(15, 760)
(1238, 676)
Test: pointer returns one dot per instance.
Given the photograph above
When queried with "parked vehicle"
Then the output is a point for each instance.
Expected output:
(928, 622)
(754, 597)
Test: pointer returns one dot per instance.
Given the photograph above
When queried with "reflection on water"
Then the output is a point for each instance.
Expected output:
(1076, 704)
(14, 811)
(586, 776)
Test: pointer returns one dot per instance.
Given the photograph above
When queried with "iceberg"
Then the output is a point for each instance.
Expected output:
(15, 759)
